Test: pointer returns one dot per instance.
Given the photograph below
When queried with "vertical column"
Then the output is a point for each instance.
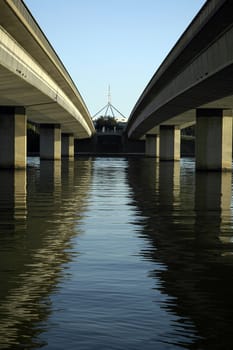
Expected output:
(152, 145)
(67, 145)
(169, 142)
(13, 137)
(50, 141)
(213, 139)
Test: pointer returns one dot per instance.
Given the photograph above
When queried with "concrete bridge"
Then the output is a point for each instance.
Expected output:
(35, 85)
(194, 84)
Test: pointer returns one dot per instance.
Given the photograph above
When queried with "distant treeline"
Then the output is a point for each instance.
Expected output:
(109, 123)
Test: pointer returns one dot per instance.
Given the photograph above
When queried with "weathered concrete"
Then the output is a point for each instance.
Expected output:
(13, 137)
(152, 145)
(67, 145)
(214, 139)
(169, 142)
(50, 141)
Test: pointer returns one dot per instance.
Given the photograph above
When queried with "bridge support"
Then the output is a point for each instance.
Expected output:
(152, 145)
(13, 135)
(50, 141)
(67, 145)
(213, 139)
(169, 142)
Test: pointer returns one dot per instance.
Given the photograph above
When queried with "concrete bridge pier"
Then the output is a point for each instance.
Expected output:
(50, 141)
(13, 135)
(152, 145)
(169, 142)
(67, 145)
(213, 139)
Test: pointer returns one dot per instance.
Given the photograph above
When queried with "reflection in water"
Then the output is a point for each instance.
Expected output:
(50, 175)
(169, 183)
(212, 206)
(213, 191)
(115, 254)
(194, 243)
(33, 260)
(12, 199)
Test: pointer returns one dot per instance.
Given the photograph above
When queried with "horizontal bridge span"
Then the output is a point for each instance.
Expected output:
(197, 73)
(32, 75)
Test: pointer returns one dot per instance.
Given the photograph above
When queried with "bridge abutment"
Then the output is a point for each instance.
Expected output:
(13, 135)
(152, 145)
(213, 139)
(50, 141)
(169, 142)
(67, 145)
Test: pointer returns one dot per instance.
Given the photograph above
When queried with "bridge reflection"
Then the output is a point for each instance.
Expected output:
(13, 201)
(50, 208)
(189, 227)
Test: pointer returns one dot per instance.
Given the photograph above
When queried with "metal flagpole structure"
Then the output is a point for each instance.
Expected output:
(107, 107)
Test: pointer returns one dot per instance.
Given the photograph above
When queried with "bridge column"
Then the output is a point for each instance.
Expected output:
(213, 139)
(152, 145)
(67, 145)
(13, 137)
(50, 141)
(169, 142)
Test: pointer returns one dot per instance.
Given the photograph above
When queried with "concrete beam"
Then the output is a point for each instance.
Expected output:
(169, 142)
(50, 141)
(214, 139)
(13, 135)
(67, 145)
(194, 74)
(152, 145)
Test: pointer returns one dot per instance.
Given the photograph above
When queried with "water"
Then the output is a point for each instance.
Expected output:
(120, 254)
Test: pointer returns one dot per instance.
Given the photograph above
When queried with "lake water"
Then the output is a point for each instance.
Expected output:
(116, 254)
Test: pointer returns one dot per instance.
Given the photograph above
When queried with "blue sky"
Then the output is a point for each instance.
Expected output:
(116, 42)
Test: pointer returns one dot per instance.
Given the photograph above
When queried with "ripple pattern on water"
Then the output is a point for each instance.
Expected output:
(115, 253)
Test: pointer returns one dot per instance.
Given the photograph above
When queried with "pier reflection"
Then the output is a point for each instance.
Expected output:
(13, 199)
(50, 175)
(213, 191)
(191, 238)
(169, 183)
(32, 262)
(213, 207)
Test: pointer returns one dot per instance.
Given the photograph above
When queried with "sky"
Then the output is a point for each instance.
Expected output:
(120, 43)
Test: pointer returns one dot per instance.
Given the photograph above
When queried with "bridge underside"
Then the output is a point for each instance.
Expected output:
(35, 86)
(40, 108)
(215, 92)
